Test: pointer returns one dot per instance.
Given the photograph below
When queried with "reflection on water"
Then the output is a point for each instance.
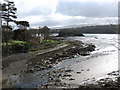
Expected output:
(101, 61)
(106, 46)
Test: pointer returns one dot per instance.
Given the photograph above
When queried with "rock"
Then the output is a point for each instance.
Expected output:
(42, 68)
(68, 70)
(106, 85)
(71, 79)
(63, 78)
(85, 54)
(50, 66)
(82, 70)
(101, 80)
(67, 75)
(109, 74)
(78, 72)
(57, 80)
(30, 71)
(60, 75)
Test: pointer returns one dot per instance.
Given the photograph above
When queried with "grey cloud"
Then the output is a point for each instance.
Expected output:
(90, 10)
(74, 21)
(52, 22)
(34, 12)
(48, 23)
(87, 9)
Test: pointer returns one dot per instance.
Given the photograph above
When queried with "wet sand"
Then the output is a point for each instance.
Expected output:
(96, 66)
(92, 69)
(27, 70)
(80, 69)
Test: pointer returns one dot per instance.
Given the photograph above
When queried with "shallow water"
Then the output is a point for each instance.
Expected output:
(106, 49)
(101, 61)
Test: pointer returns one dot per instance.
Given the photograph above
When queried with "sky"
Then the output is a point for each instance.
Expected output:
(67, 13)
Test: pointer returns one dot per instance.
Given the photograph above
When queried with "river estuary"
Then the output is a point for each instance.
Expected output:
(84, 69)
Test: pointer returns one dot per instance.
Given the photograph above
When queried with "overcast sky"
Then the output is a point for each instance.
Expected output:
(59, 13)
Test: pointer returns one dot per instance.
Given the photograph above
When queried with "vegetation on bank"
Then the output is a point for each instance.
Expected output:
(69, 32)
(45, 45)
(23, 40)
(98, 29)
(13, 42)
(15, 46)
(48, 59)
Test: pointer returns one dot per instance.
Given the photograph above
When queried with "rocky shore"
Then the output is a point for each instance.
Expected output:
(30, 63)
(55, 80)
(49, 59)
(25, 63)
(69, 65)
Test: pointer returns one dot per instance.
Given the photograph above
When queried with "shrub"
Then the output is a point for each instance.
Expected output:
(15, 47)
(6, 50)
(20, 47)
(22, 35)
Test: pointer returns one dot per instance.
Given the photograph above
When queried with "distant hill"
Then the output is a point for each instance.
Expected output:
(67, 32)
(100, 29)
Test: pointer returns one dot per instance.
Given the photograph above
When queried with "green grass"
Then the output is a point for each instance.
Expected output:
(50, 41)
(45, 45)
(13, 42)
(62, 43)
(6, 44)
(18, 42)
(42, 47)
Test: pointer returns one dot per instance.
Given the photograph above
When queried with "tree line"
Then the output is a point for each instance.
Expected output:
(99, 29)
(9, 16)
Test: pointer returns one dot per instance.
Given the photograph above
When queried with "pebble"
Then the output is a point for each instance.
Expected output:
(71, 79)
(78, 72)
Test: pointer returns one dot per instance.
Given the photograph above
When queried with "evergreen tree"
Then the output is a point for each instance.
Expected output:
(9, 12)
(22, 23)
